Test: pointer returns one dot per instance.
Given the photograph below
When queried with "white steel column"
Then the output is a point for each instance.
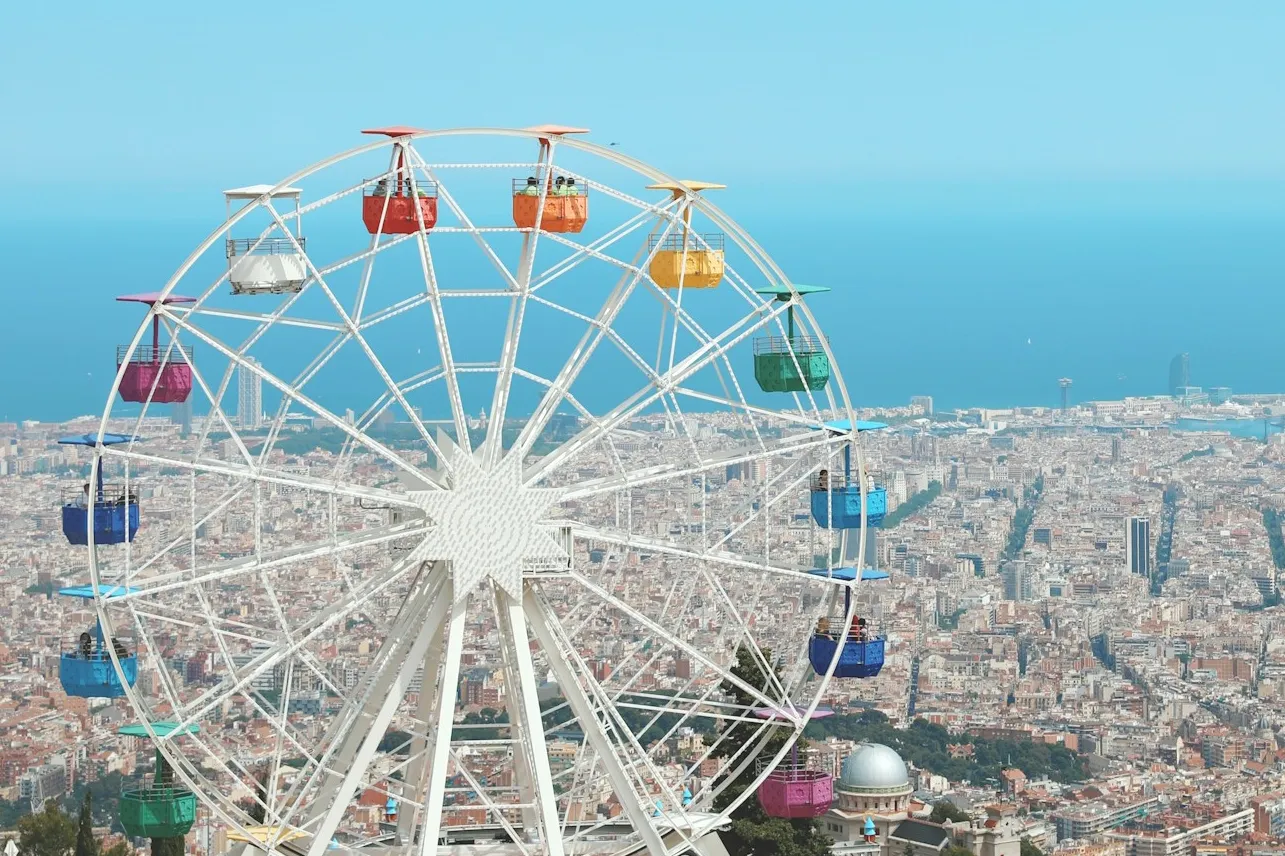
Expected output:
(431, 829)
(532, 724)
(523, 772)
(373, 733)
(592, 726)
(421, 747)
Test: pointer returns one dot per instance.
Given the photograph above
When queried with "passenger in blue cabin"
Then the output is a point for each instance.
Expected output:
(823, 481)
(86, 646)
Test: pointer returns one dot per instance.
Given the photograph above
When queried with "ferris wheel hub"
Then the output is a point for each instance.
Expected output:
(488, 524)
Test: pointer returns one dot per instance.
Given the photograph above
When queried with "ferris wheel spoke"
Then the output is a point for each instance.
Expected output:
(496, 810)
(307, 633)
(517, 312)
(539, 616)
(665, 472)
(193, 578)
(459, 212)
(347, 732)
(433, 292)
(768, 501)
(599, 326)
(662, 633)
(354, 331)
(690, 365)
(259, 318)
(588, 252)
(255, 369)
(645, 543)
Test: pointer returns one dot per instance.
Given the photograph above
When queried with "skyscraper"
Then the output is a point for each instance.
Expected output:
(1179, 374)
(181, 415)
(249, 391)
(1137, 545)
(923, 402)
(1017, 580)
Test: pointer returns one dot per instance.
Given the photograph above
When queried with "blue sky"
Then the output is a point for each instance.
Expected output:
(171, 97)
(1105, 177)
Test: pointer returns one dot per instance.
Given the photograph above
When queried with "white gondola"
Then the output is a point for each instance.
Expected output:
(272, 264)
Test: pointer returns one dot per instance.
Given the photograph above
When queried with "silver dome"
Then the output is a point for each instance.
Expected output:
(874, 767)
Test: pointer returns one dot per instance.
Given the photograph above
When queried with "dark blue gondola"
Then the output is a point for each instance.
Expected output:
(836, 504)
(85, 668)
(862, 654)
(115, 510)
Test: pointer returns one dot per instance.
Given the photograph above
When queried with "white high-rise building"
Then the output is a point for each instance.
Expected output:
(249, 389)
(1137, 545)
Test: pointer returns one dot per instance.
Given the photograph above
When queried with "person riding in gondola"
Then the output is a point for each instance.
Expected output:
(86, 646)
(823, 481)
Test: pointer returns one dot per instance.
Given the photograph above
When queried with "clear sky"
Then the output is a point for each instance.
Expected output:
(181, 96)
(1008, 191)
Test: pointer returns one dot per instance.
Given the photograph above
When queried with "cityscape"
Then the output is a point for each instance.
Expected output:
(1080, 618)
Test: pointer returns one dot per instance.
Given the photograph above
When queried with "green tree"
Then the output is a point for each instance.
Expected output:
(168, 846)
(86, 844)
(1029, 848)
(47, 833)
(120, 848)
(753, 832)
(946, 810)
(956, 850)
(259, 805)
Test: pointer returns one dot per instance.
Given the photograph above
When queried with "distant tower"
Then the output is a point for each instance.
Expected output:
(1065, 383)
(249, 389)
(1115, 450)
(923, 402)
(181, 415)
(1137, 546)
(1179, 374)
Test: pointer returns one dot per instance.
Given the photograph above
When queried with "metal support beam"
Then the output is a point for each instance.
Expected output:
(536, 614)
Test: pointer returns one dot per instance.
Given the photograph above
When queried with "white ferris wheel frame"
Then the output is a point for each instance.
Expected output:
(432, 614)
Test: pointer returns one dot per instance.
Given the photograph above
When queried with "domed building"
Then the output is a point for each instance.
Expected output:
(873, 814)
(873, 783)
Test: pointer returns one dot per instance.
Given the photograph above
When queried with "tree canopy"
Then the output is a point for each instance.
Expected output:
(945, 810)
(927, 747)
(753, 832)
(86, 844)
(48, 832)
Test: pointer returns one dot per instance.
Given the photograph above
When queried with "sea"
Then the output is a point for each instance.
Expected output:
(977, 295)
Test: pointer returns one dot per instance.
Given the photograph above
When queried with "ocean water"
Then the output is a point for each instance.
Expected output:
(974, 301)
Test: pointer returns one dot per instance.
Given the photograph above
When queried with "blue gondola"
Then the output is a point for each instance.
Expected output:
(858, 660)
(115, 510)
(837, 504)
(85, 667)
(862, 654)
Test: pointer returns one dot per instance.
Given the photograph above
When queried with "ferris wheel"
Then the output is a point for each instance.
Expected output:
(521, 478)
